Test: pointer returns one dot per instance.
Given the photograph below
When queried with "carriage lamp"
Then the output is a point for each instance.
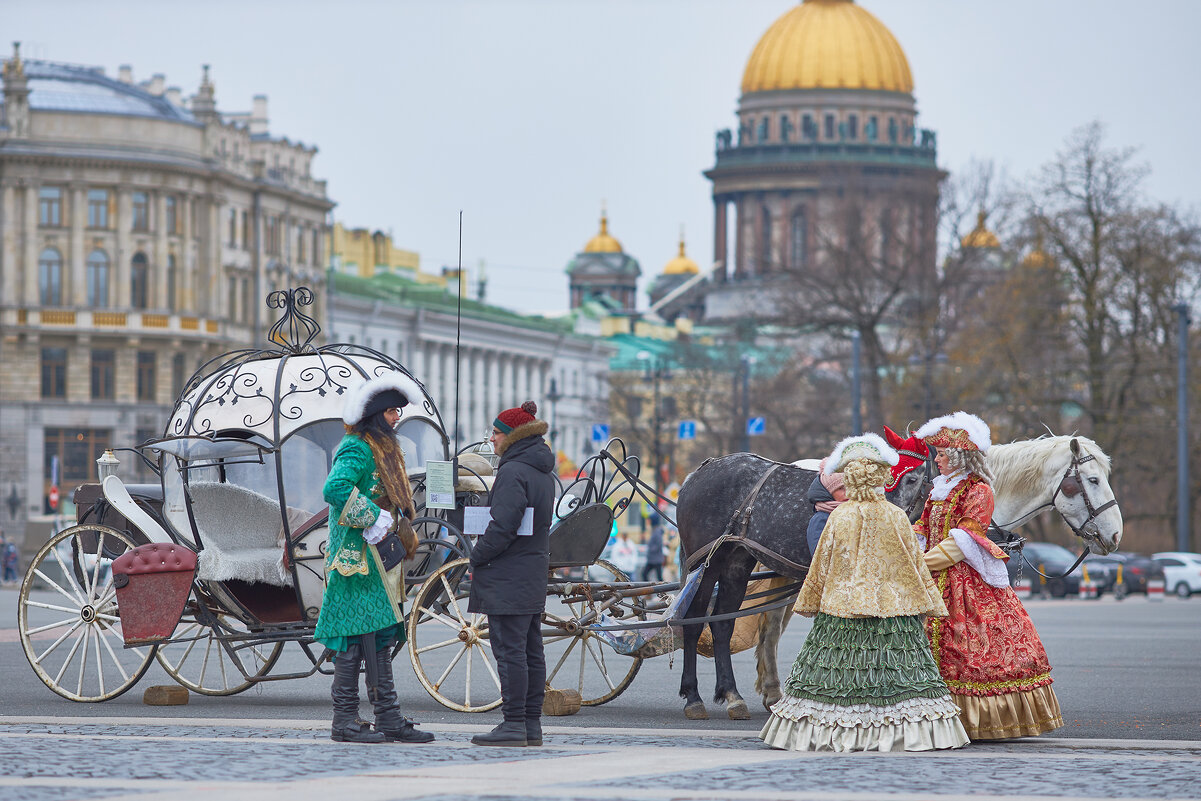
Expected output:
(107, 464)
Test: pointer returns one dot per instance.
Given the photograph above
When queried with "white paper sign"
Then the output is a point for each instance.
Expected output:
(477, 518)
(439, 486)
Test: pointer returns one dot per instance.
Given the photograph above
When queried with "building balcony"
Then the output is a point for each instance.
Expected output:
(92, 321)
(923, 152)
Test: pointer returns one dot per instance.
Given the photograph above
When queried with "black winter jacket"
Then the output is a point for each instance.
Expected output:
(509, 572)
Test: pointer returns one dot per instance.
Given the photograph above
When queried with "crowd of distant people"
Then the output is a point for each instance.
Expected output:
(655, 557)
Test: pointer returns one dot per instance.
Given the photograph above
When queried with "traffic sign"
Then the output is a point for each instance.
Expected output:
(756, 426)
(53, 498)
(600, 432)
(687, 429)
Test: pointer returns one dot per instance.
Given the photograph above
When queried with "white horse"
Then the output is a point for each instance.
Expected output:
(1069, 474)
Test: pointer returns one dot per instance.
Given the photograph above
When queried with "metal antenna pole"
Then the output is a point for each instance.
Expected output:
(1183, 533)
(856, 412)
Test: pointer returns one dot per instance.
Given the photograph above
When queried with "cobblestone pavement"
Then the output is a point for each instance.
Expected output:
(150, 759)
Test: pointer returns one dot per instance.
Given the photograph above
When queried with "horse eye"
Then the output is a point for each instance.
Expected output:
(1094, 480)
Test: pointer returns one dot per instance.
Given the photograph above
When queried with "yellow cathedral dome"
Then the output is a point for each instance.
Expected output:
(980, 236)
(827, 44)
(603, 242)
(681, 264)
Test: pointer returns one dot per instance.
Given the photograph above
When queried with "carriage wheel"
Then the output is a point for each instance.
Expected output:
(438, 542)
(195, 657)
(68, 619)
(449, 646)
(580, 660)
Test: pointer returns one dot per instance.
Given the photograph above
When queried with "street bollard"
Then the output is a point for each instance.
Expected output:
(1042, 580)
(1088, 587)
(1119, 585)
(1155, 590)
(1024, 588)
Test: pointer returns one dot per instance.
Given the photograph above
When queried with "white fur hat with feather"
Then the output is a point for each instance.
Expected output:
(390, 390)
(861, 446)
(959, 430)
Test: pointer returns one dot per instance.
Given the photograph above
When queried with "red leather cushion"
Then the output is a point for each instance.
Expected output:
(156, 557)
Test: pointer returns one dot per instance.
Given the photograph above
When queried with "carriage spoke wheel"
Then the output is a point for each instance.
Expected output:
(581, 660)
(68, 620)
(195, 657)
(449, 646)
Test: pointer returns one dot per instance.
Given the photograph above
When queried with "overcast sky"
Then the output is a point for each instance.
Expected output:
(527, 114)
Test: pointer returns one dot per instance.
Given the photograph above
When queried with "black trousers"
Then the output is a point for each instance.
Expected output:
(647, 569)
(521, 664)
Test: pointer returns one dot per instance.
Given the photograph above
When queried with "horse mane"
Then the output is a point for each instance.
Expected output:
(1017, 467)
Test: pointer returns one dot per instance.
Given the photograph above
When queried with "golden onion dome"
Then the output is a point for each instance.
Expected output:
(827, 44)
(1037, 258)
(681, 264)
(603, 242)
(980, 236)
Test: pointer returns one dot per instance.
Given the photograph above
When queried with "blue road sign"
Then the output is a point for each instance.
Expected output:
(600, 432)
(687, 429)
(755, 426)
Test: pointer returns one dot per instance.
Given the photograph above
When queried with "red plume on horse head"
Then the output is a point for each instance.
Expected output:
(913, 453)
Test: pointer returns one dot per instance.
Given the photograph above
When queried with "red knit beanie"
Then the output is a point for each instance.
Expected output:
(510, 419)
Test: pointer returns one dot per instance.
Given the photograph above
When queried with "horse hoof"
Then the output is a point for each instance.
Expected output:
(696, 711)
(737, 710)
(771, 700)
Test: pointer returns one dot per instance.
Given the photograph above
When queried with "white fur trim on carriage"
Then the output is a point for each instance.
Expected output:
(239, 530)
(977, 430)
(989, 567)
(360, 394)
(861, 446)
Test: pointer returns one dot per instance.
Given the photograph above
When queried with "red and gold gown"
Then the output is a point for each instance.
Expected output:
(987, 649)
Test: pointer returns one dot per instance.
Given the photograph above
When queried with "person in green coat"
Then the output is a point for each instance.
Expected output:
(362, 609)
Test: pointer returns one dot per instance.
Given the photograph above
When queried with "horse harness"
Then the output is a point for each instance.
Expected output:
(1070, 485)
(736, 528)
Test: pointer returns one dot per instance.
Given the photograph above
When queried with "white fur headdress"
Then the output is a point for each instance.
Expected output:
(959, 430)
(361, 394)
(862, 446)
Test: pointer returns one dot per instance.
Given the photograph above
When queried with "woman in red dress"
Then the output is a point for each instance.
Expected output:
(987, 649)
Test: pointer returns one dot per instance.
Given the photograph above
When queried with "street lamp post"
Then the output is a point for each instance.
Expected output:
(655, 372)
(1183, 532)
(745, 363)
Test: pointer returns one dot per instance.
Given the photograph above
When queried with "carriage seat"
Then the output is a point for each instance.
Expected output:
(240, 532)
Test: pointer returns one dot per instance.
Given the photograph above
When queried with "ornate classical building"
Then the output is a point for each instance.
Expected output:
(140, 232)
(603, 271)
(827, 149)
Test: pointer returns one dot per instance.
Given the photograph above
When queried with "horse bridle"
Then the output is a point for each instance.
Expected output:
(1069, 486)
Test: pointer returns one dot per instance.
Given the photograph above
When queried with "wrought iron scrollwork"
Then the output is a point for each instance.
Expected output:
(294, 323)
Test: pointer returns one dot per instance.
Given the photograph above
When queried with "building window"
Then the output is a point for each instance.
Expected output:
(179, 374)
(141, 211)
(245, 230)
(231, 310)
(765, 261)
(853, 126)
(146, 359)
(808, 127)
(98, 208)
(50, 206)
(172, 215)
(172, 282)
(316, 246)
(76, 450)
(50, 278)
(104, 368)
(140, 469)
(54, 372)
(829, 126)
(300, 259)
(233, 228)
(799, 240)
(97, 279)
(271, 235)
(139, 280)
(246, 303)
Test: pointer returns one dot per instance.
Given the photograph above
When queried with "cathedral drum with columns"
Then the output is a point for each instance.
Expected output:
(827, 142)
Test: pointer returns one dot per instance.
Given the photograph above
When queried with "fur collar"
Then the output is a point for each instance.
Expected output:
(536, 428)
(943, 485)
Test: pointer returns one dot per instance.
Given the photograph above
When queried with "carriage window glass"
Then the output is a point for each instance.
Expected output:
(306, 457)
(421, 442)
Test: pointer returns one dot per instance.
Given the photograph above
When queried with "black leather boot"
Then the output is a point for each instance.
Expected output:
(533, 731)
(347, 727)
(388, 721)
(508, 734)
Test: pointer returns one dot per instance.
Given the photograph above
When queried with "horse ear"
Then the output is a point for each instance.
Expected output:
(892, 439)
(1075, 446)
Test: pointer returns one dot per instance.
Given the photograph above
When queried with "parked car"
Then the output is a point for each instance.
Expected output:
(1053, 560)
(1181, 571)
(1137, 570)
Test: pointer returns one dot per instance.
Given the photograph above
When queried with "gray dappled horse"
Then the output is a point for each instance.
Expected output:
(709, 500)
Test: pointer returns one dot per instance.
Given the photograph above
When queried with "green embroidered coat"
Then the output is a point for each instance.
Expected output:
(356, 599)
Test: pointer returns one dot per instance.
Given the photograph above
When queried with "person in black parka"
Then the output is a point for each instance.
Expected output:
(509, 573)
